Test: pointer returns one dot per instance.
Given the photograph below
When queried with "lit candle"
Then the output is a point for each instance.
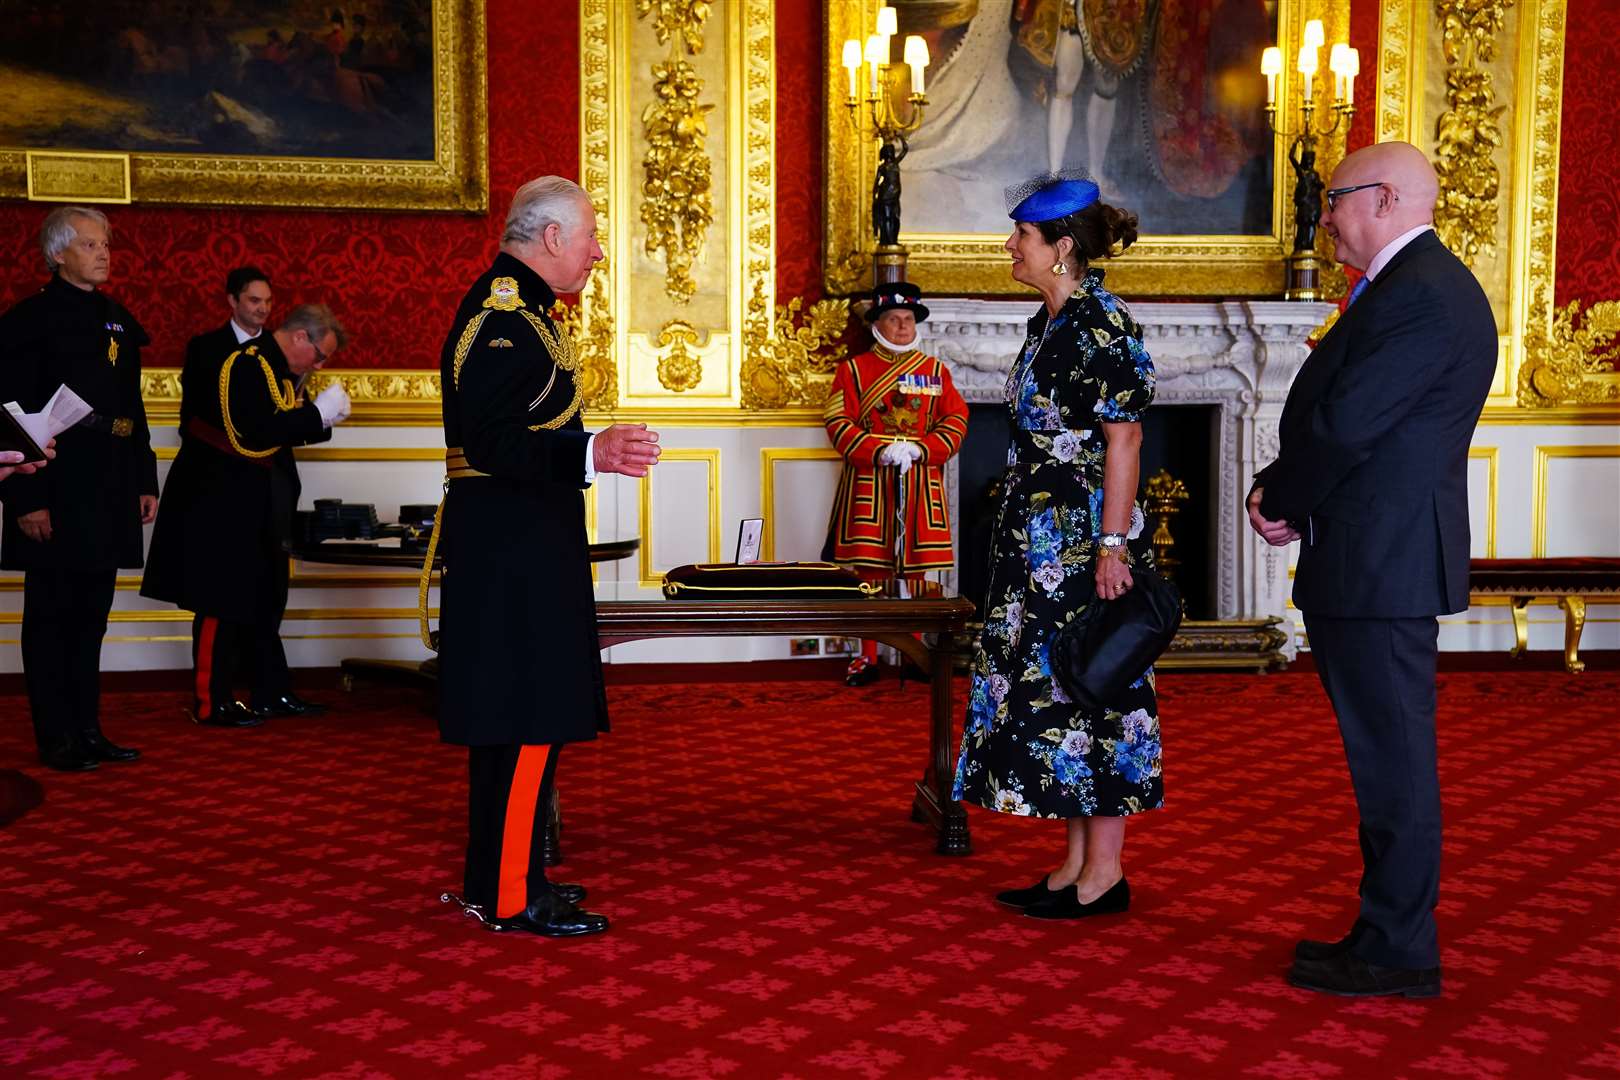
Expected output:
(877, 56)
(1338, 63)
(916, 59)
(1271, 66)
(1307, 67)
(1314, 36)
(1352, 69)
(852, 64)
(888, 23)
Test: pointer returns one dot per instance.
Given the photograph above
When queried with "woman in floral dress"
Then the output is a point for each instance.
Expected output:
(1067, 534)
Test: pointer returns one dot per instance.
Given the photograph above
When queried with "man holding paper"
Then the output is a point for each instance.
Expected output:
(70, 527)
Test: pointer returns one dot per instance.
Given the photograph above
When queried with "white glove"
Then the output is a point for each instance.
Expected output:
(333, 404)
(901, 455)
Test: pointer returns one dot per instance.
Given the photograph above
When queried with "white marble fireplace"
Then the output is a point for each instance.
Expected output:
(1237, 355)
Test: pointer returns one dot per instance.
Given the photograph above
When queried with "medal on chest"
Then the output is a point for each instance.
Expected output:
(112, 351)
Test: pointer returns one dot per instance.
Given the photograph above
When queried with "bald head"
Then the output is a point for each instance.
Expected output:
(1398, 190)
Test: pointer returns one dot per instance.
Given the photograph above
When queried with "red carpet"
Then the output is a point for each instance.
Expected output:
(263, 903)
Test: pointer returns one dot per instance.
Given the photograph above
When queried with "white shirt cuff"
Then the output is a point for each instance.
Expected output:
(590, 461)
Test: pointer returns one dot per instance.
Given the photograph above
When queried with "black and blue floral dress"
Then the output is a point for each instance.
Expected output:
(1026, 748)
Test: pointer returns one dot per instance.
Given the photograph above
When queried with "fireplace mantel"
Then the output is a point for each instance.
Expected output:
(1237, 355)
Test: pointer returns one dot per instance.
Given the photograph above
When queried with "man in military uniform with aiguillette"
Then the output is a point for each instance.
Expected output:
(520, 667)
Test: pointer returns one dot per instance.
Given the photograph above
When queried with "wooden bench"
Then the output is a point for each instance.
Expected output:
(1568, 582)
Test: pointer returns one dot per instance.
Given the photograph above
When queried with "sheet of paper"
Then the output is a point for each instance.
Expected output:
(60, 413)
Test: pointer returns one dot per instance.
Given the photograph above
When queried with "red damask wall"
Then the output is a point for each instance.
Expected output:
(394, 279)
(1589, 156)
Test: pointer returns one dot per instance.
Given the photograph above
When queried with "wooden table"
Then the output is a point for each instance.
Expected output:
(625, 612)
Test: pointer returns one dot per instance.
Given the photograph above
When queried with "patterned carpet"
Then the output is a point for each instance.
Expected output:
(263, 903)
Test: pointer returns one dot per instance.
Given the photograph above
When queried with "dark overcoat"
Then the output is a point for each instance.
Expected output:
(226, 514)
(1373, 465)
(88, 341)
(519, 659)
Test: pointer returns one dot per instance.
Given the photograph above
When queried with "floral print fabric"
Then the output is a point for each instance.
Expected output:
(1026, 748)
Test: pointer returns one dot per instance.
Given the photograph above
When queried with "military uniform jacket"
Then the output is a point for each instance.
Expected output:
(519, 659)
(229, 496)
(878, 398)
(1374, 439)
(87, 340)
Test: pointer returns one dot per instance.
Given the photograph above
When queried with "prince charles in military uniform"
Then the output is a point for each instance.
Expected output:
(520, 672)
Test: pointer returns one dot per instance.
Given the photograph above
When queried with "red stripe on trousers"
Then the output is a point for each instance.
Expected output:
(513, 894)
(205, 666)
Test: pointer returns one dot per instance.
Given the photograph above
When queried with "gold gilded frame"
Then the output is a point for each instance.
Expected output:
(456, 179)
(975, 264)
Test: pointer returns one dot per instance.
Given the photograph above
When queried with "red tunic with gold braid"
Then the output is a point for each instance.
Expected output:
(877, 398)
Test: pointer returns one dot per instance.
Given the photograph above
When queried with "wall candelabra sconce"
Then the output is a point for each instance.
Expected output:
(869, 66)
(1303, 279)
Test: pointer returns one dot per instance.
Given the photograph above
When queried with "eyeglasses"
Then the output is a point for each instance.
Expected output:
(320, 357)
(1333, 195)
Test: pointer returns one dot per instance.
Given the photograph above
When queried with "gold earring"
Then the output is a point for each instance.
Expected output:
(1060, 268)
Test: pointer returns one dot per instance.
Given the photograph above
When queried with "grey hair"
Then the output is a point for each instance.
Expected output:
(317, 321)
(545, 201)
(58, 232)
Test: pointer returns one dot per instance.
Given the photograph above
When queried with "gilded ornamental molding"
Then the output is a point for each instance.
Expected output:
(1468, 135)
(677, 176)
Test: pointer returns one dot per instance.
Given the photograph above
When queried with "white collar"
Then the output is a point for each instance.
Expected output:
(1391, 249)
(242, 336)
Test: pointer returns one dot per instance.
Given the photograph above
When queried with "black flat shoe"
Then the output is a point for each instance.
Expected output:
(1037, 893)
(1348, 975)
(66, 758)
(99, 747)
(232, 714)
(552, 916)
(288, 704)
(1065, 903)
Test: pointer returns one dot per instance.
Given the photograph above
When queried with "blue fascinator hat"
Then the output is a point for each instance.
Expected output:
(1049, 196)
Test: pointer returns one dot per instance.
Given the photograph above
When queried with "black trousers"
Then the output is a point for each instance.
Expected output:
(225, 650)
(64, 620)
(508, 791)
(1380, 676)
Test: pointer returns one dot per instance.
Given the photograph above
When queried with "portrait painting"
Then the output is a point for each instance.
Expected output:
(254, 82)
(1162, 102)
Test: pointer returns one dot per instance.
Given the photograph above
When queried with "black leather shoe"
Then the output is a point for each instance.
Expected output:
(66, 757)
(1348, 975)
(1317, 951)
(574, 894)
(1037, 893)
(232, 714)
(288, 704)
(549, 915)
(99, 747)
(1065, 903)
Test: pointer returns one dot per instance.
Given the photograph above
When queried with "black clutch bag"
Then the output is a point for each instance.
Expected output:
(765, 581)
(1099, 653)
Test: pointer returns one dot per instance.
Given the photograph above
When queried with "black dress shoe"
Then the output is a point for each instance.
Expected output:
(549, 915)
(1037, 893)
(574, 894)
(288, 704)
(1318, 951)
(99, 747)
(1348, 975)
(1065, 903)
(66, 757)
(232, 714)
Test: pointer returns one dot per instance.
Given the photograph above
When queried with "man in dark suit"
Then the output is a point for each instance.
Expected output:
(1372, 478)
(520, 669)
(220, 548)
(71, 526)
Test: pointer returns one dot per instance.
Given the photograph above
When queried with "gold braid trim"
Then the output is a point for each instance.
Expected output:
(429, 638)
(285, 398)
(464, 346)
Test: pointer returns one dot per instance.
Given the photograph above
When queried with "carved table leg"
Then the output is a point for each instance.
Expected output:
(1574, 620)
(933, 802)
(1521, 625)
